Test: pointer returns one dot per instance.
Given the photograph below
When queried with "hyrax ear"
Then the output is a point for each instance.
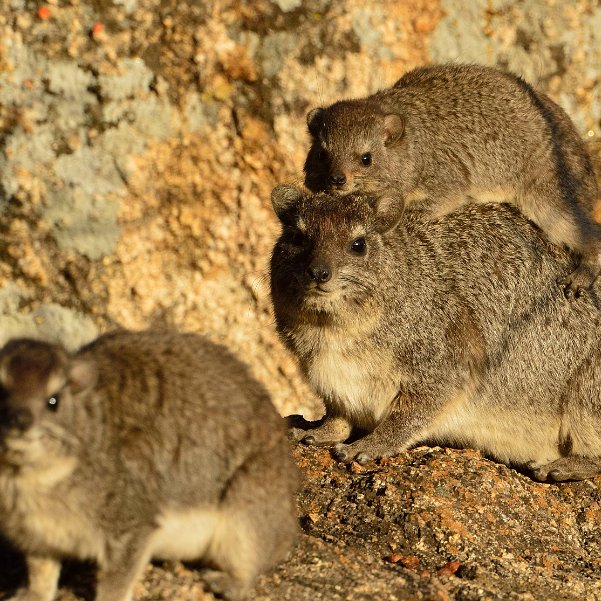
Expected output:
(285, 199)
(315, 121)
(82, 375)
(389, 210)
(394, 127)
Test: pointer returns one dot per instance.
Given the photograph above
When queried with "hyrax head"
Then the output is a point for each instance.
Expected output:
(354, 147)
(38, 383)
(331, 252)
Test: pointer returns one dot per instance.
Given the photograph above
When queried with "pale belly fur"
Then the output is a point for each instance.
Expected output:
(510, 436)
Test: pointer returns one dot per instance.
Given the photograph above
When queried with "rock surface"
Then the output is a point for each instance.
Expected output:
(433, 524)
(139, 142)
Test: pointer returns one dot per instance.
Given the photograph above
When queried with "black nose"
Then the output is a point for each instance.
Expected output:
(319, 273)
(21, 419)
(338, 178)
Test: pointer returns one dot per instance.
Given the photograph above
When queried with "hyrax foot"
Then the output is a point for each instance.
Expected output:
(43, 575)
(323, 432)
(28, 595)
(579, 281)
(567, 468)
(361, 451)
(223, 586)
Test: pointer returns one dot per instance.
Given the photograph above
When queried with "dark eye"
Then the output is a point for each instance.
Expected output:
(322, 155)
(53, 402)
(366, 159)
(295, 238)
(358, 246)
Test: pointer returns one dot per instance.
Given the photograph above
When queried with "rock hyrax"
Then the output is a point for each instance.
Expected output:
(450, 331)
(141, 445)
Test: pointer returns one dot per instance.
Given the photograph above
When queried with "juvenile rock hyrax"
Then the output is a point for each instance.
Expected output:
(452, 133)
(449, 331)
(141, 445)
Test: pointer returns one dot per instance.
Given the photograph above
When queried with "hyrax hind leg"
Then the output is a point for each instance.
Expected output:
(572, 467)
(43, 575)
(566, 221)
(257, 523)
(324, 432)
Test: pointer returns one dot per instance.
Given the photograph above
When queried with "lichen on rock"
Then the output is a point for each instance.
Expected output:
(139, 143)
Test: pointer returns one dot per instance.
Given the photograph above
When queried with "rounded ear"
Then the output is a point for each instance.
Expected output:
(389, 209)
(285, 199)
(83, 375)
(315, 121)
(394, 126)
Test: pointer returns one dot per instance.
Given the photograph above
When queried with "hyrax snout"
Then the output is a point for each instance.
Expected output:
(449, 331)
(141, 445)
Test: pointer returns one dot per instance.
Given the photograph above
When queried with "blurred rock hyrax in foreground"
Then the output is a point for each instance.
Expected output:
(451, 134)
(141, 445)
(449, 331)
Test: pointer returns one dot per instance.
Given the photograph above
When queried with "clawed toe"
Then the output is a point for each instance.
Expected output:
(222, 585)
(344, 454)
(340, 453)
(571, 290)
(576, 284)
(362, 458)
(567, 468)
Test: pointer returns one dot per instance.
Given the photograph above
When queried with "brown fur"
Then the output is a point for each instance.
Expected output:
(464, 133)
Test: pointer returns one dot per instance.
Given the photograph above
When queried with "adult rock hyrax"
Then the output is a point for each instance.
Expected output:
(449, 331)
(140, 445)
(453, 133)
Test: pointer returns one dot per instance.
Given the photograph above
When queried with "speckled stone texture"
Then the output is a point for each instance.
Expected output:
(139, 142)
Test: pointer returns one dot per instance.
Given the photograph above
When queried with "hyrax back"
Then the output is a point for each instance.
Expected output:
(151, 444)
(448, 133)
(450, 331)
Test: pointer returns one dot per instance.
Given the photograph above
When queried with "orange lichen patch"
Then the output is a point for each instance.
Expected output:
(427, 21)
(357, 468)
(43, 13)
(550, 562)
(236, 63)
(450, 568)
(411, 562)
(98, 32)
(593, 513)
(449, 521)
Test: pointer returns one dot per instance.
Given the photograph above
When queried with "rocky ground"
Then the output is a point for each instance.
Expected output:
(139, 142)
(433, 525)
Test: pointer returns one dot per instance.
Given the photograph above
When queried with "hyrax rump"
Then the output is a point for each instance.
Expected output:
(449, 331)
(151, 444)
(456, 133)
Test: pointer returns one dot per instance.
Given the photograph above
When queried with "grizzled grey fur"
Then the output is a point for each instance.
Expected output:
(450, 331)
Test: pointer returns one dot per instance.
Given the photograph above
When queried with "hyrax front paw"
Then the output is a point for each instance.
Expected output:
(566, 468)
(361, 451)
(29, 595)
(222, 585)
(579, 281)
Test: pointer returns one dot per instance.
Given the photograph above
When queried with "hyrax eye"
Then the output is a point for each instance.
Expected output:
(366, 159)
(358, 246)
(53, 402)
(296, 238)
